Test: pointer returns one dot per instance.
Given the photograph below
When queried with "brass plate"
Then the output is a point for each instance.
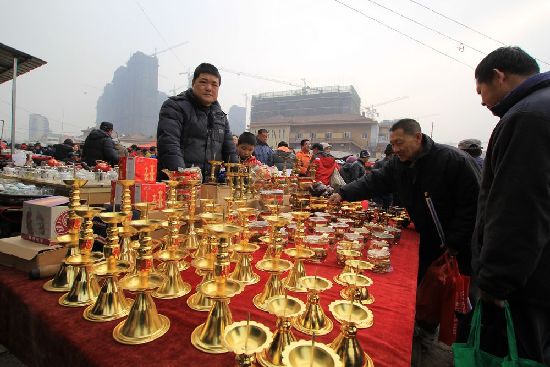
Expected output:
(215, 289)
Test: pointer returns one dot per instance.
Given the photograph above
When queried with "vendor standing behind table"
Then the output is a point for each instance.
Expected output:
(99, 146)
(192, 128)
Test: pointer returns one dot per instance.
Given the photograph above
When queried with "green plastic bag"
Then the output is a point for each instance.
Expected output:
(470, 355)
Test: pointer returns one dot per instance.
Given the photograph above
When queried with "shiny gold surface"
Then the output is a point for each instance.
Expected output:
(84, 290)
(142, 282)
(355, 313)
(173, 286)
(111, 304)
(243, 272)
(224, 230)
(314, 320)
(217, 289)
(285, 306)
(198, 301)
(83, 259)
(274, 286)
(292, 281)
(211, 218)
(274, 265)
(112, 217)
(87, 211)
(67, 238)
(246, 337)
(303, 353)
(316, 283)
(207, 337)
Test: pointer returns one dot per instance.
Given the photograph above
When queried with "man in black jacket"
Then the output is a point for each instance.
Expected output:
(420, 166)
(192, 128)
(511, 244)
(99, 146)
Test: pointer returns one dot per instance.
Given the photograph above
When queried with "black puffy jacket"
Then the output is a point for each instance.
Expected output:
(280, 157)
(189, 134)
(99, 146)
(451, 178)
(63, 152)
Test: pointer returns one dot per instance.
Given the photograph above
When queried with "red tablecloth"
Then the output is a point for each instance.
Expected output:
(41, 333)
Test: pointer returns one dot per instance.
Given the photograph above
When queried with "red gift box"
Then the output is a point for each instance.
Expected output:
(142, 193)
(140, 169)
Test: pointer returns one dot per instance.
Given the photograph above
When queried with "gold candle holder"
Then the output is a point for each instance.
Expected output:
(65, 276)
(357, 288)
(310, 354)
(285, 308)
(292, 281)
(205, 245)
(144, 323)
(274, 287)
(174, 239)
(243, 272)
(198, 301)
(314, 320)
(85, 288)
(245, 339)
(352, 316)
(111, 303)
(352, 266)
(274, 248)
(213, 166)
(191, 241)
(174, 286)
(299, 217)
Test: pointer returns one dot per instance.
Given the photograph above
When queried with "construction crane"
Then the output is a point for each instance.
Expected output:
(255, 76)
(372, 113)
(169, 48)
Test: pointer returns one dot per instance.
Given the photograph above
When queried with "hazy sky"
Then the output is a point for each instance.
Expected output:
(319, 40)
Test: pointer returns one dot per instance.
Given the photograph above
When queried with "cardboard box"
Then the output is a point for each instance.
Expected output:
(27, 255)
(142, 193)
(44, 219)
(140, 169)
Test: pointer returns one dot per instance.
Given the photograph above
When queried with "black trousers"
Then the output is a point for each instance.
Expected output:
(531, 324)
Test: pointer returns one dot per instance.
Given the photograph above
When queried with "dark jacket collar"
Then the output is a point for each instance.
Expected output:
(528, 86)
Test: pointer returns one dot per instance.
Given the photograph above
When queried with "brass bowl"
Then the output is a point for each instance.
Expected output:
(316, 283)
(211, 218)
(104, 268)
(300, 353)
(235, 337)
(351, 313)
(138, 282)
(285, 306)
(246, 248)
(126, 182)
(299, 253)
(203, 264)
(224, 230)
(220, 289)
(276, 220)
(77, 182)
(274, 265)
(87, 211)
(113, 217)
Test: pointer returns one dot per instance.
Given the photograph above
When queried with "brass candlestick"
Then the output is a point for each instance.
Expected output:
(275, 246)
(191, 242)
(174, 239)
(208, 336)
(299, 217)
(213, 166)
(292, 281)
(274, 287)
(346, 345)
(352, 266)
(357, 288)
(243, 272)
(64, 278)
(174, 286)
(127, 251)
(232, 177)
(111, 304)
(205, 245)
(205, 266)
(85, 288)
(310, 354)
(245, 339)
(172, 197)
(285, 308)
(144, 323)
(314, 320)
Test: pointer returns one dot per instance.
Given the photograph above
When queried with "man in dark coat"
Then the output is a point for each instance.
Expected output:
(283, 158)
(192, 128)
(99, 146)
(422, 166)
(511, 244)
(64, 152)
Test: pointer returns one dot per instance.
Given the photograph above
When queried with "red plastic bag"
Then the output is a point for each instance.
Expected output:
(442, 292)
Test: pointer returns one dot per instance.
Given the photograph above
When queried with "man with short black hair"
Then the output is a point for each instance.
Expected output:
(192, 128)
(304, 156)
(263, 152)
(99, 146)
(511, 243)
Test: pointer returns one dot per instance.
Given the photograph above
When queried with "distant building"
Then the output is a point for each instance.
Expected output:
(237, 119)
(325, 114)
(39, 127)
(384, 133)
(132, 100)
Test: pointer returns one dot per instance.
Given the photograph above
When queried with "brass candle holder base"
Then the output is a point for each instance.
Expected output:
(314, 320)
(346, 345)
(243, 272)
(144, 324)
(306, 353)
(298, 271)
(274, 286)
(245, 339)
(85, 288)
(64, 278)
(357, 288)
(174, 286)
(207, 337)
(111, 303)
(198, 301)
(285, 308)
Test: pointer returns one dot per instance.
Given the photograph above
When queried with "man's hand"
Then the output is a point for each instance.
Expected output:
(334, 199)
(490, 299)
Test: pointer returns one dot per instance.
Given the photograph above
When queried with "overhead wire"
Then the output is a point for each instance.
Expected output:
(404, 34)
(466, 26)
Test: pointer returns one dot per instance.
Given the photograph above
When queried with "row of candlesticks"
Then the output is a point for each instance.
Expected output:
(211, 259)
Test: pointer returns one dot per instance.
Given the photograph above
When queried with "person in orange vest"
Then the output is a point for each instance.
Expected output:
(304, 156)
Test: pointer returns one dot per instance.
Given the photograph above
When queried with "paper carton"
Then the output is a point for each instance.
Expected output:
(140, 169)
(27, 255)
(44, 219)
(141, 193)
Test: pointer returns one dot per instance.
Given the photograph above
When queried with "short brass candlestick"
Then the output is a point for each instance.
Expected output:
(299, 217)
(357, 288)
(274, 287)
(111, 303)
(85, 288)
(292, 281)
(285, 308)
(127, 251)
(214, 165)
(64, 278)
(191, 242)
(174, 239)
(243, 272)
(144, 323)
(208, 336)
(352, 266)
(276, 222)
(310, 354)
(232, 177)
(314, 320)
(352, 316)
(205, 245)
(245, 339)
(205, 266)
